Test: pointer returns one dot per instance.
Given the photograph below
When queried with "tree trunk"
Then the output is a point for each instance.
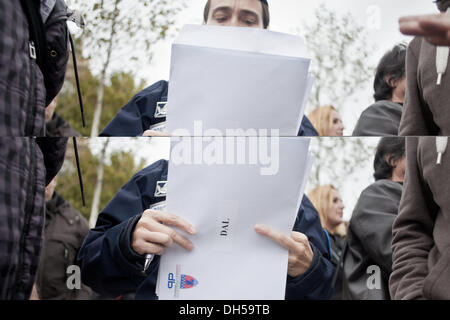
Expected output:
(101, 86)
(98, 186)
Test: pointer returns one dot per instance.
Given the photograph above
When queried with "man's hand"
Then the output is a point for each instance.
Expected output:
(154, 133)
(435, 28)
(152, 233)
(300, 252)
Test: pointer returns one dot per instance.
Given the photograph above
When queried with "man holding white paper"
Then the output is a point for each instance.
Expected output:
(146, 113)
(113, 255)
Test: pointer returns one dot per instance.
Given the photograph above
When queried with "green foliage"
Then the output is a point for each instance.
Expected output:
(121, 89)
(118, 170)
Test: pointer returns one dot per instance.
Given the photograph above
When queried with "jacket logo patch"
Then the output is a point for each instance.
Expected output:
(161, 110)
(161, 189)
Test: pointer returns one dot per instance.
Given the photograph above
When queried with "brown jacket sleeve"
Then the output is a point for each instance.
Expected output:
(412, 233)
(413, 122)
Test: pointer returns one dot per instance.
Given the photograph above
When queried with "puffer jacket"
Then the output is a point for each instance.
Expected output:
(111, 267)
(22, 90)
(26, 167)
(140, 114)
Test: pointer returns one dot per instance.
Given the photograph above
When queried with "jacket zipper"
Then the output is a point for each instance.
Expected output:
(29, 208)
(32, 101)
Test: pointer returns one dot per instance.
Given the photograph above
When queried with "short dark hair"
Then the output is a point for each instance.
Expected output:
(389, 149)
(443, 5)
(265, 13)
(391, 67)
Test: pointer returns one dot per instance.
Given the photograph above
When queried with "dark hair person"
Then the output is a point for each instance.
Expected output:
(383, 117)
(367, 259)
(265, 13)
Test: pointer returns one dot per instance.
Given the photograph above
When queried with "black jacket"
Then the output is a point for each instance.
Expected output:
(380, 119)
(369, 241)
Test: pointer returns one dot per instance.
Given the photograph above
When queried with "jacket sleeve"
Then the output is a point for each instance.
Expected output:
(315, 283)
(372, 222)
(108, 263)
(417, 119)
(137, 115)
(412, 233)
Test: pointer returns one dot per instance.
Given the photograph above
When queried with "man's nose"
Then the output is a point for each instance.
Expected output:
(234, 21)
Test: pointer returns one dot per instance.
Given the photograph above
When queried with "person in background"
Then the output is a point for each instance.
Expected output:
(383, 117)
(421, 238)
(331, 209)
(327, 122)
(55, 125)
(425, 112)
(64, 233)
(368, 252)
(138, 116)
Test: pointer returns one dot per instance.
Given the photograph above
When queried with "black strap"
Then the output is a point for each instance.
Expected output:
(75, 68)
(80, 177)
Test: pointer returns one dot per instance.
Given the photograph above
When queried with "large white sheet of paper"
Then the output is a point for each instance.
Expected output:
(224, 202)
(237, 78)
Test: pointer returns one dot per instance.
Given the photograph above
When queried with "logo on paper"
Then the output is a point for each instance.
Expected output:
(161, 110)
(180, 281)
(161, 189)
(188, 282)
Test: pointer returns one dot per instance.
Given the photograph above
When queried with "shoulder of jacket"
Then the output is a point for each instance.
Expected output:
(157, 167)
(158, 88)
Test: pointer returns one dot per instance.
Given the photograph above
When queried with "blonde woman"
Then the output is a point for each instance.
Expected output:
(329, 204)
(327, 121)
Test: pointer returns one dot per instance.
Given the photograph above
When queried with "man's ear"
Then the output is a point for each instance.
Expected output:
(391, 81)
(391, 161)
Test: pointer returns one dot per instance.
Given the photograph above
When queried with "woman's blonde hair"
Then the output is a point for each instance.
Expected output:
(321, 118)
(322, 199)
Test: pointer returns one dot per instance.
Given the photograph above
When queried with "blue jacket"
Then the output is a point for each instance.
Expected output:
(110, 266)
(139, 114)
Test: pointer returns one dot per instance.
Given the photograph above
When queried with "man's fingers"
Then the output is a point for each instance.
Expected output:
(299, 237)
(171, 220)
(153, 133)
(276, 236)
(176, 237)
(158, 238)
(143, 247)
(174, 220)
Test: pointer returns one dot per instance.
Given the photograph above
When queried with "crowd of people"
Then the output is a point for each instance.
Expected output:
(394, 247)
